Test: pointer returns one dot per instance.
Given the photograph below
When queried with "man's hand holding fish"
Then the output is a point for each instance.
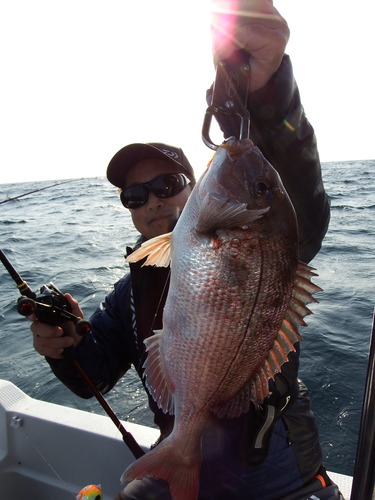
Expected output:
(254, 26)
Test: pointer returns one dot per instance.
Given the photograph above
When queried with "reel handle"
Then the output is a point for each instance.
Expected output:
(52, 308)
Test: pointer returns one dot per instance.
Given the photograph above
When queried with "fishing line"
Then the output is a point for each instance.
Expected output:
(142, 360)
(160, 301)
(48, 463)
(25, 290)
(37, 190)
(44, 458)
(52, 309)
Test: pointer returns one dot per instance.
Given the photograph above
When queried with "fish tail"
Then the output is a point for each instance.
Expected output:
(164, 462)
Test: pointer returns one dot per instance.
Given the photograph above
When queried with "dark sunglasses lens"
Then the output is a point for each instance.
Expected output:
(164, 186)
(134, 196)
(168, 185)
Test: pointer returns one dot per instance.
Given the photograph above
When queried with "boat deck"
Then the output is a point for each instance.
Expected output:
(49, 451)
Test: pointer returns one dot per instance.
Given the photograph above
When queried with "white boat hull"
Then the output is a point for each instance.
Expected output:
(48, 451)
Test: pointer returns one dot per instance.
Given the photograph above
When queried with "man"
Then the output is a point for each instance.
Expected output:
(255, 456)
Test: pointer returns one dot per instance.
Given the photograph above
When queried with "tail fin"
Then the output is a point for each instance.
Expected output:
(164, 462)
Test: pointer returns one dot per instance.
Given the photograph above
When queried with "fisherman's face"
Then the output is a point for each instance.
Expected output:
(158, 215)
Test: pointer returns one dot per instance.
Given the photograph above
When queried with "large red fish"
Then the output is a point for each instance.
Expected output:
(236, 298)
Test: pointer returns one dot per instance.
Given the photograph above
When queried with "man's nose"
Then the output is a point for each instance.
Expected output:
(154, 201)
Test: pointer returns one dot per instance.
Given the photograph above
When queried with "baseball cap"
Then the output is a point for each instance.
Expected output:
(133, 153)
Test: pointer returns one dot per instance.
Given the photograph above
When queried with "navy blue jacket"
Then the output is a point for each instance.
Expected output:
(281, 130)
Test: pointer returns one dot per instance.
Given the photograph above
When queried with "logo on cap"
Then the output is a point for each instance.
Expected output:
(172, 154)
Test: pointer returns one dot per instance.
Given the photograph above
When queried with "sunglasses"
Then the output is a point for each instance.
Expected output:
(163, 186)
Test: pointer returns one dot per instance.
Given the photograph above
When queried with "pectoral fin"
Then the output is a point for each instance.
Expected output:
(157, 250)
(217, 212)
(157, 380)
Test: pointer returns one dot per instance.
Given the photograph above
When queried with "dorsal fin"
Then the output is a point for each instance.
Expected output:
(287, 336)
(157, 250)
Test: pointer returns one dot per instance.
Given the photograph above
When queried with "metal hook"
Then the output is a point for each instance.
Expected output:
(229, 97)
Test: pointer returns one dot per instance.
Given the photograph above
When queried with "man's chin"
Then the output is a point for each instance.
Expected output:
(162, 226)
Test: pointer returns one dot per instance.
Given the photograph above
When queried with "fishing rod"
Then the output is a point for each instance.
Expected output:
(53, 308)
(36, 191)
(364, 471)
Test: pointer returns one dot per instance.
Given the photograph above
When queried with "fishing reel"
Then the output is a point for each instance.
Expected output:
(53, 308)
(50, 307)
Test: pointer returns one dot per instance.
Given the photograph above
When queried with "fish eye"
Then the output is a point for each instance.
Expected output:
(261, 187)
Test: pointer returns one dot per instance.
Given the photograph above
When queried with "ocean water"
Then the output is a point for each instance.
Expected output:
(75, 233)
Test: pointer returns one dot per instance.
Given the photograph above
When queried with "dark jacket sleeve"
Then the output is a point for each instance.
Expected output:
(106, 353)
(282, 132)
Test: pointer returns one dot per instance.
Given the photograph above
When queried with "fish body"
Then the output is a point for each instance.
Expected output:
(237, 295)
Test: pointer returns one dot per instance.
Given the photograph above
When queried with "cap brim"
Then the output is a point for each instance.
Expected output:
(129, 156)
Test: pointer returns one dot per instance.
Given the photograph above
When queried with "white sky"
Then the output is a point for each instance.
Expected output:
(82, 78)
